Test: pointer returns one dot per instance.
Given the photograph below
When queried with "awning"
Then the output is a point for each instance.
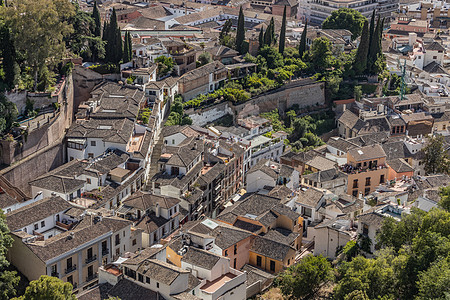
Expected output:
(119, 261)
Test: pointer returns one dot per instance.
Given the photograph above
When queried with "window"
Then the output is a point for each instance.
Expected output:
(43, 224)
(93, 143)
(89, 253)
(272, 266)
(235, 249)
(367, 181)
(141, 278)
(36, 226)
(382, 178)
(289, 261)
(147, 279)
(88, 180)
(173, 141)
(134, 242)
(70, 279)
(118, 251)
(434, 57)
(157, 285)
(226, 252)
(54, 271)
(366, 191)
(258, 261)
(90, 155)
(90, 271)
(234, 263)
(355, 193)
(365, 229)
(355, 183)
(117, 241)
(69, 263)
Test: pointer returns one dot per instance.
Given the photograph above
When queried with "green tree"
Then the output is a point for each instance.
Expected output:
(225, 30)
(79, 41)
(357, 295)
(8, 279)
(358, 92)
(282, 41)
(375, 277)
(360, 63)
(372, 28)
(345, 18)
(321, 54)
(261, 38)
(97, 21)
(8, 114)
(48, 288)
(290, 116)
(8, 58)
(375, 47)
(445, 198)
(240, 32)
(165, 65)
(113, 40)
(436, 159)
(302, 45)
(434, 283)
(126, 48)
(204, 58)
(38, 29)
(273, 57)
(304, 279)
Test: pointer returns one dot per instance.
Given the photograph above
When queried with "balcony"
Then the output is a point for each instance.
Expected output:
(75, 286)
(105, 252)
(55, 274)
(91, 259)
(350, 169)
(91, 277)
(70, 269)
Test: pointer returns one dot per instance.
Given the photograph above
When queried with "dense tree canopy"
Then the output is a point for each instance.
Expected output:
(412, 263)
(436, 159)
(38, 29)
(304, 279)
(48, 288)
(345, 18)
(8, 279)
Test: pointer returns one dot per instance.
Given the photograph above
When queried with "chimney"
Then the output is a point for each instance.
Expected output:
(157, 210)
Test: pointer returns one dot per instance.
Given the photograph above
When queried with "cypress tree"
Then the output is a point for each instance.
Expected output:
(125, 53)
(267, 36)
(261, 38)
(371, 28)
(240, 33)
(282, 42)
(374, 50)
(113, 39)
(119, 48)
(97, 21)
(130, 47)
(9, 56)
(272, 30)
(302, 45)
(360, 62)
